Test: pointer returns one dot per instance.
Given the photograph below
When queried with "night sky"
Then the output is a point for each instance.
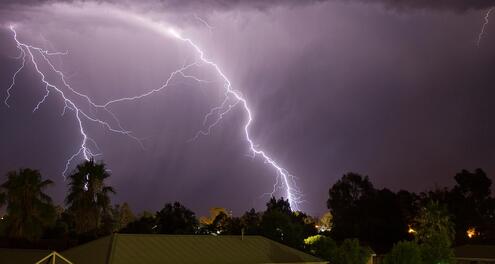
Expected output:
(396, 90)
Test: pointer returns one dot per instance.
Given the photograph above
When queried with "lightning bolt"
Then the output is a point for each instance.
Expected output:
(233, 98)
(27, 54)
(485, 23)
(202, 21)
(292, 194)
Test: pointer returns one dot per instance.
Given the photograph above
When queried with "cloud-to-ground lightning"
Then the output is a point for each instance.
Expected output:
(27, 53)
(288, 179)
(483, 26)
(233, 98)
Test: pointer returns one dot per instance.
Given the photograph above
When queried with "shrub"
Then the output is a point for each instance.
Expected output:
(404, 252)
(350, 252)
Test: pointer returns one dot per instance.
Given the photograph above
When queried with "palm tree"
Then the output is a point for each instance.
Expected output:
(29, 209)
(88, 197)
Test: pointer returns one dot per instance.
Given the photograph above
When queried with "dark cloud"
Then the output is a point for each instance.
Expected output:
(198, 5)
(456, 5)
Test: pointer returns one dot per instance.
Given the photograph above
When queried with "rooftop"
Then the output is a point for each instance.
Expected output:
(475, 252)
(130, 248)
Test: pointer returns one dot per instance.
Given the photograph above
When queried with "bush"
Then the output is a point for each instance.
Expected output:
(404, 252)
(350, 252)
(321, 246)
(437, 250)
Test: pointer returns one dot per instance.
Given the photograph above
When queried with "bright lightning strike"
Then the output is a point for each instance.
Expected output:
(34, 55)
(293, 195)
(485, 23)
(233, 98)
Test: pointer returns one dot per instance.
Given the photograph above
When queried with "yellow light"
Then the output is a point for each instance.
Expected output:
(471, 232)
(411, 230)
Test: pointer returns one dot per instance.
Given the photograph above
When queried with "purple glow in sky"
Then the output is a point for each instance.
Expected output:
(395, 90)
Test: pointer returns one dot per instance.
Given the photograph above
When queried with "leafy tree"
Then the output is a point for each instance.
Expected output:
(345, 199)
(250, 222)
(214, 212)
(321, 246)
(224, 224)
(472, 205)
(281, 224)
(433, 218)
(220, 221)
(404, 252)
(228, 225)
(29, 209)
(146, 224)
(280, 205)
(363, 212)
(350, 252)
(122, 215)
(61, 227)
(435, 233)
(88, 197)
(176, 219)
(325, 222)
(409, 204)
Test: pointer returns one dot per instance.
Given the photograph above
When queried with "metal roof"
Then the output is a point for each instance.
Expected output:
(151, 249)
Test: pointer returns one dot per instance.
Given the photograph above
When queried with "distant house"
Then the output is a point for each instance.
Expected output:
(162, 249)
(475, 254)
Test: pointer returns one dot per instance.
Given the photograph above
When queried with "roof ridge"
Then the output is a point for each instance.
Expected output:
(111, 248)
(192, 235)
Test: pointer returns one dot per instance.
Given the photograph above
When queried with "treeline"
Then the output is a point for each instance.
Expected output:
(412, 228)
(381, 217)
(421, 228)
(87, 214)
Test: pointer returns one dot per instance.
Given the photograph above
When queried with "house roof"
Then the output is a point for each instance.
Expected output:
(150, 249)
(22, 256)
(485, 252)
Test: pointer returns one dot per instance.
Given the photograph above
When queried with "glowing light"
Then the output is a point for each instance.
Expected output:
(292, 194)
(411, 230)
(174, 33)
(485, 23)
(471, 232)
(233, 98)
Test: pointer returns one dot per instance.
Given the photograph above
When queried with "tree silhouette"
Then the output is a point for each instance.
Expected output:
(88, 197)
(29, 209)
(281, 224)
(346, 198)
(250, 221)
(435, 233)
(176, 219)
(122, 216)
(350, 252)
(472, 206)
(376, 217)
(404, 252)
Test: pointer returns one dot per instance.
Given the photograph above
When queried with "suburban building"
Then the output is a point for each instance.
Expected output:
(475, 254)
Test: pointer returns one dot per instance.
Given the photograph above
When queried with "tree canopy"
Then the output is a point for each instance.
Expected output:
(29, 209)
(88, 198)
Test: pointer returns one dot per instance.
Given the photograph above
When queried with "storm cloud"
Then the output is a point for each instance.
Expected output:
(335, 86)
(202, 5)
